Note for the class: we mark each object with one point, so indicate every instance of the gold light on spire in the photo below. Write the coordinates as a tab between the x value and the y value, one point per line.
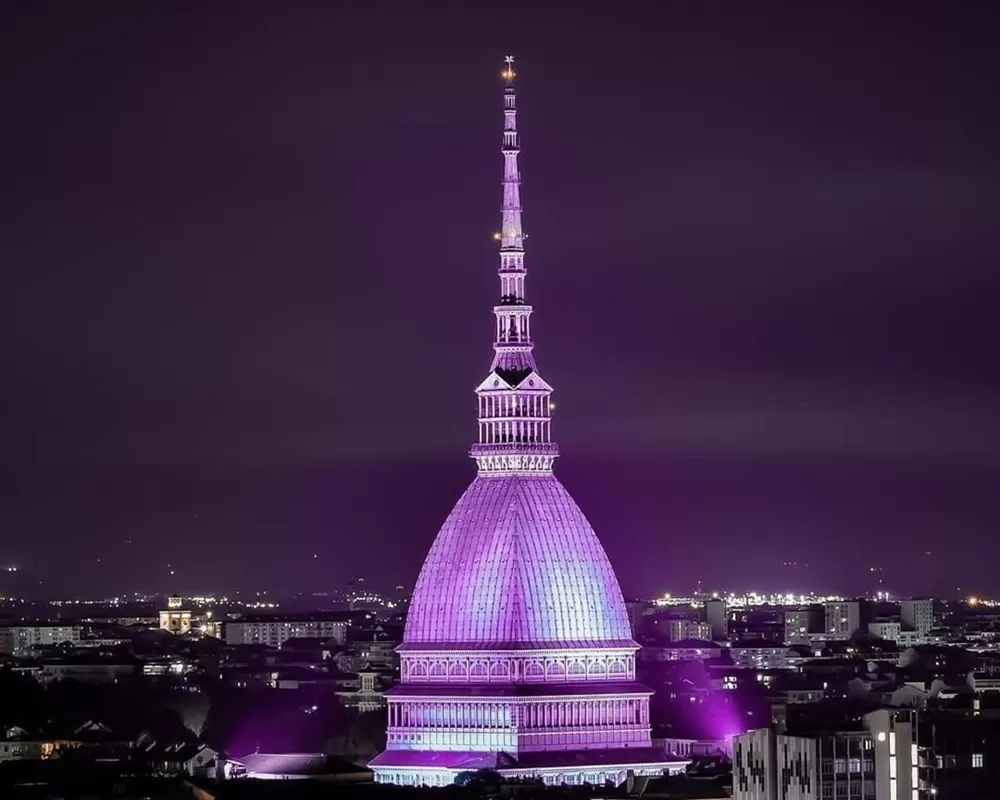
508	71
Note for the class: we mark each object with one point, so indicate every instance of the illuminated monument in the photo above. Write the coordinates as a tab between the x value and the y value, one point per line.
517	655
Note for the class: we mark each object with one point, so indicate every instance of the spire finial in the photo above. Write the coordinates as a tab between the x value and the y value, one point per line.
508	70
515	412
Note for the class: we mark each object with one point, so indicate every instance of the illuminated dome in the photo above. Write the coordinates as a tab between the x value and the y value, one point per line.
515	563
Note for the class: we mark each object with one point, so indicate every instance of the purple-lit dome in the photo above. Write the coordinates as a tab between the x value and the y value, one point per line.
516	562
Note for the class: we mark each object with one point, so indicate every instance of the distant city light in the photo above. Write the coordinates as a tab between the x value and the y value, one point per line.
751	599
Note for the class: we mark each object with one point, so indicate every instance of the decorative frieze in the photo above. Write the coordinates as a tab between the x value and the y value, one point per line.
519	667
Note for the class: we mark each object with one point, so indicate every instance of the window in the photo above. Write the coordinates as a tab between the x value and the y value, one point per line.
854	765
977	760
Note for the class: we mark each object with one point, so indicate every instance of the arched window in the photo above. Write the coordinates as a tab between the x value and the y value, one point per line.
555	672
478	670
499	670
616	668
596	669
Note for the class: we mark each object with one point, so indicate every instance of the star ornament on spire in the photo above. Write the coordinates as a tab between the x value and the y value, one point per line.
508	71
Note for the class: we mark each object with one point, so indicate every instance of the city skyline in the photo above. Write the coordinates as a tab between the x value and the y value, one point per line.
767	293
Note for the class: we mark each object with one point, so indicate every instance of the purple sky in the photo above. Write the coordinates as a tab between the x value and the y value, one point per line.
249	272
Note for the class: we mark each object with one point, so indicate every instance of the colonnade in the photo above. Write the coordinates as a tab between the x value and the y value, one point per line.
506	417
574	713
503	671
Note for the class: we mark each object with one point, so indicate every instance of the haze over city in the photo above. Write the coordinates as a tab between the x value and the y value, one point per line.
249	283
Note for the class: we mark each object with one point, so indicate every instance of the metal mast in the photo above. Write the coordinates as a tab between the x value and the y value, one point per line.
514	402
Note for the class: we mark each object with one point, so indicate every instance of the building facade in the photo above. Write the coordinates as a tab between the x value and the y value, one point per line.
517	654
880	760
917	615
768	765
887	629
797	622
275	630
762	655
843	618
175	618
716	617
22	640
679	630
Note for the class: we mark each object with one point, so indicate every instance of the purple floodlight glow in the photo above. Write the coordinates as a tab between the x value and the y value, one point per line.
718	717
518	653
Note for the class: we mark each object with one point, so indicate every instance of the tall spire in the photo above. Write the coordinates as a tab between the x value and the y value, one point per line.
514	405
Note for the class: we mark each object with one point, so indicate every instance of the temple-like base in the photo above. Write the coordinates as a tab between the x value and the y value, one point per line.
596	767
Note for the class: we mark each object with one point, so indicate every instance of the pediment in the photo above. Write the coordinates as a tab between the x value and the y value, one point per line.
494	382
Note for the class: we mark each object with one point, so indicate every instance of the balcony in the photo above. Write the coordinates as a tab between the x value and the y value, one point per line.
526	448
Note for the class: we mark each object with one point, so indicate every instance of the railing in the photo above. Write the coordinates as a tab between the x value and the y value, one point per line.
515	447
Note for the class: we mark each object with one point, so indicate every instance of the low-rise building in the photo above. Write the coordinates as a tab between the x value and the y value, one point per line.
19	743
87	671
688	650
277	629
22	639
192	759
888	629
763	655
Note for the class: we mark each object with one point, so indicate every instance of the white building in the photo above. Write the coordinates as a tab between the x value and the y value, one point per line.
879	762
885	629
918	615
275	630
896	756
843	618
21	640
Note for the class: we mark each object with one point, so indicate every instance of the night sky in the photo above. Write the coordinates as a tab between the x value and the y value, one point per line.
248	273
